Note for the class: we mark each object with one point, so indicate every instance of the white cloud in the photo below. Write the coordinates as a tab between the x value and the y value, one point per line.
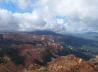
60	21
20	21
75	11
7	21
56	15
29	21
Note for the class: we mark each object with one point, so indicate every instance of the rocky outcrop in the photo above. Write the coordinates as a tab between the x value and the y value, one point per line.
70	63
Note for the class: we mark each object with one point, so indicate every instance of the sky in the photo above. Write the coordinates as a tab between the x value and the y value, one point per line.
56	15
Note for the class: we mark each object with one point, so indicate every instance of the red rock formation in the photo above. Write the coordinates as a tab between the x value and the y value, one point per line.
18	51
70	63
9	66
26	50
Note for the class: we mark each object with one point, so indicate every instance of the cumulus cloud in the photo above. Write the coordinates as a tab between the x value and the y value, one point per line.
7	21
20	21
80	15
57	15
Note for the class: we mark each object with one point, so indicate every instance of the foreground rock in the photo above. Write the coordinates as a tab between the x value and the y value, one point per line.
71	63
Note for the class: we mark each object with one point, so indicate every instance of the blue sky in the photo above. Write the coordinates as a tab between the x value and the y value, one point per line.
11	6
56	15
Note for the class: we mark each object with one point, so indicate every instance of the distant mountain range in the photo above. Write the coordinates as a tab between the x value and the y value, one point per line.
88	35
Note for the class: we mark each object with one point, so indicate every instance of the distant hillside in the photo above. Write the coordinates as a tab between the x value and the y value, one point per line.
88	35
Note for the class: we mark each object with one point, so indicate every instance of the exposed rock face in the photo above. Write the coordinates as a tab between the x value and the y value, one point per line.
9	66
24	51
19	51
70	63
